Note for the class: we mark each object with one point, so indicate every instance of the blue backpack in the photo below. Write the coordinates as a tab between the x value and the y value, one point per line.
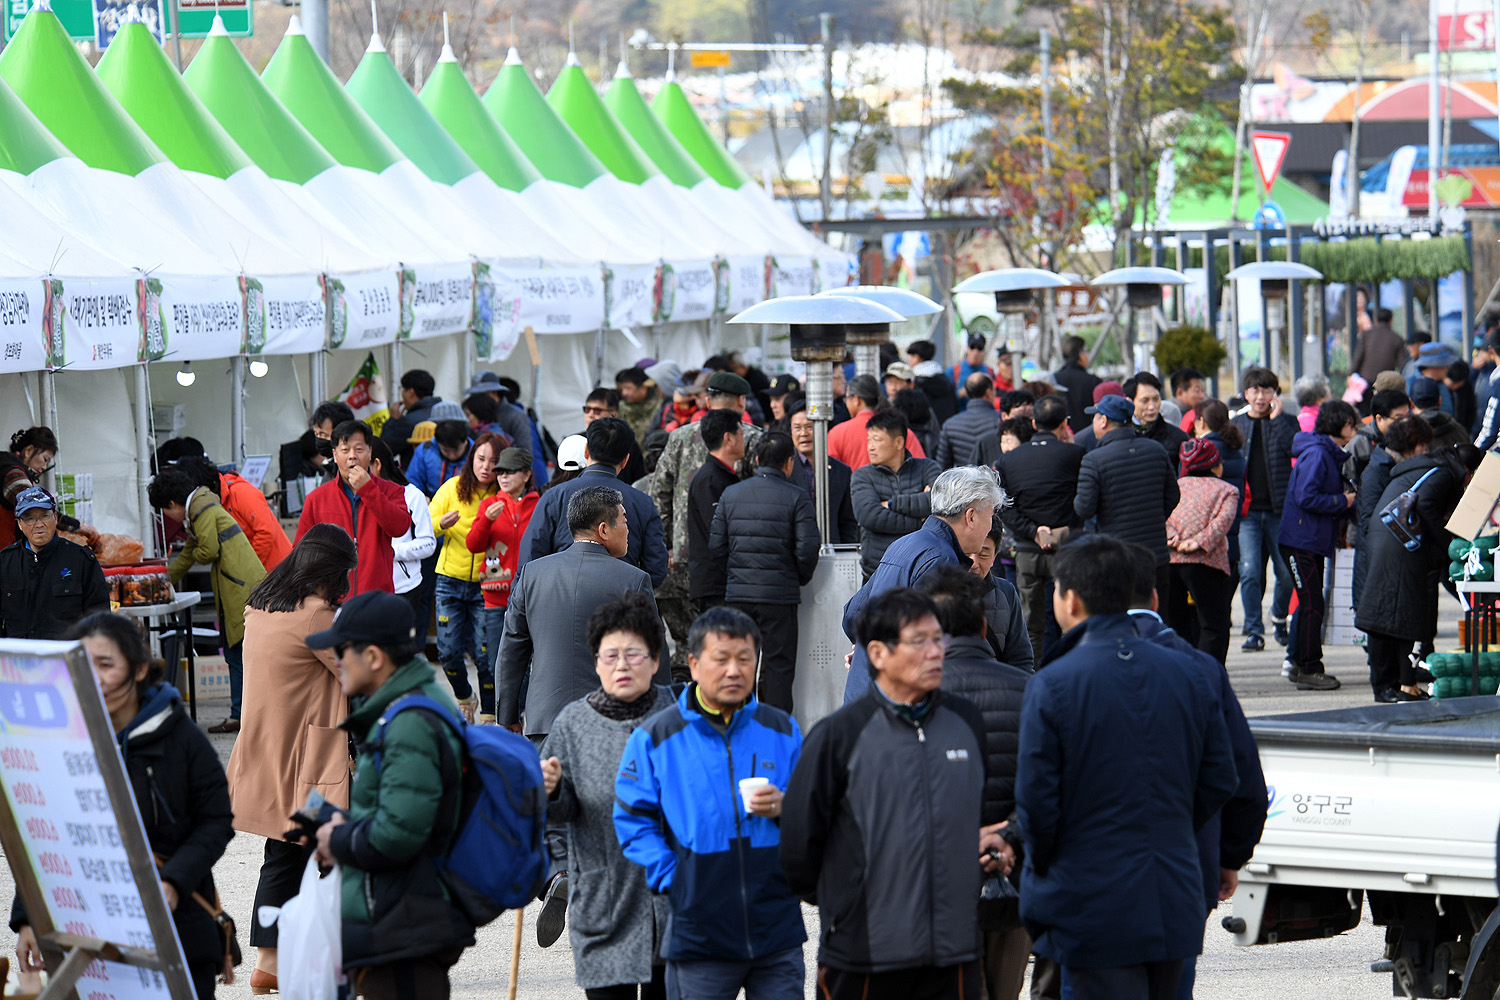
499	856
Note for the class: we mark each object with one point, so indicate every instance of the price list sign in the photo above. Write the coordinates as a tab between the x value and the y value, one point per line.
70	827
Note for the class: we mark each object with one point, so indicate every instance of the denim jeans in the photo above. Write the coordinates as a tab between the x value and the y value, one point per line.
492	627
781	976
1258	533
460	621
234	656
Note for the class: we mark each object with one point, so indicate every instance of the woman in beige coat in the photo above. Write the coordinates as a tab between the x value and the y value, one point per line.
289	743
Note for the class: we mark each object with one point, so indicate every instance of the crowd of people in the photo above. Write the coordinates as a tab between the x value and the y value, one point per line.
628	597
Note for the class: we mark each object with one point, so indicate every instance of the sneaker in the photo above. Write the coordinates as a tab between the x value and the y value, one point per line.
1282	631
1287	669
1314	682
1253	644
550	922
1408	696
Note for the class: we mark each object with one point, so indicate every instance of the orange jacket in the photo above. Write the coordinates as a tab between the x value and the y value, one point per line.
248	506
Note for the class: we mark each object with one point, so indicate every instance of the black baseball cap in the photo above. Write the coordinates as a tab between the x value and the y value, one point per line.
373	618
783	384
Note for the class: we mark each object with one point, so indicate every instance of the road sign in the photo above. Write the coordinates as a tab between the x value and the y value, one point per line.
1269	149
718	59
77	17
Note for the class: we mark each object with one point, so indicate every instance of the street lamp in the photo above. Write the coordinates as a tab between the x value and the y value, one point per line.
818	326
1143	287
1275	277
1013	288
866	338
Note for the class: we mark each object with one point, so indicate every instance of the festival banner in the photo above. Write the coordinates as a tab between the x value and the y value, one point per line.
94	324
549	300
283	315
441	301
793	276
365	393
364	308
685	290
202	318
23	344
742	283
628	292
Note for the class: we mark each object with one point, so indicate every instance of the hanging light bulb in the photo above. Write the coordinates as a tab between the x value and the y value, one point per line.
185	376
258	368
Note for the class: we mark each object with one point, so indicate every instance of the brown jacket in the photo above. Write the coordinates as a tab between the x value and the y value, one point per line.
289	740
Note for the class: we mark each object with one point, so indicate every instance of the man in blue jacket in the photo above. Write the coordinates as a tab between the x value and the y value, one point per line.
1124	756
712	846
963	509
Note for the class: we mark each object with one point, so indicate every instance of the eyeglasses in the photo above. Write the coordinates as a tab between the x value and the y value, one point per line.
41	518
634	656
595	411
921	642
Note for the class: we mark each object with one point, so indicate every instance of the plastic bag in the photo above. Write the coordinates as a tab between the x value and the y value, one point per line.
310	959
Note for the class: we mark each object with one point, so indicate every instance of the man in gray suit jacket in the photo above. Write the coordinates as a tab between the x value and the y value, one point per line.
550	602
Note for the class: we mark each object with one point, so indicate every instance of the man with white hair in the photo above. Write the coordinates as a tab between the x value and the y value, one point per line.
963	506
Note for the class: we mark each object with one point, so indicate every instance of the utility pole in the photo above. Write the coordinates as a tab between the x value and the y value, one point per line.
315	25
1049	297
825	184
1434	115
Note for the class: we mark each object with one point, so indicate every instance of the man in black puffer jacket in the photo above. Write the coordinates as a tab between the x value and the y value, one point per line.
997	689
767	532
1127	483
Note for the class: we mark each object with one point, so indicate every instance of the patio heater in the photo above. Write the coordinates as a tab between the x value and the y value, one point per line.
866	338
1143	287
1013	288
1275	277
818	325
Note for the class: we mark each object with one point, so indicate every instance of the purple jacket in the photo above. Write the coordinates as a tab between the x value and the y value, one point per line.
1315	495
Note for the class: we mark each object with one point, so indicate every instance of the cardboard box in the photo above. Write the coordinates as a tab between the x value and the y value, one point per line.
1339	635
1475	514
211	677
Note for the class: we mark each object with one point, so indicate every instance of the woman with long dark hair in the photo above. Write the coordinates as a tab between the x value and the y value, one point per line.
496	534
289	743
460	601
179	791
1211	421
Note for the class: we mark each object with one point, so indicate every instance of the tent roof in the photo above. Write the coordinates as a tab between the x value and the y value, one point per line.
259	123
311	92
136	71
632	111
451	99
25	143
677	114
543	136
385	96
46	71
579	105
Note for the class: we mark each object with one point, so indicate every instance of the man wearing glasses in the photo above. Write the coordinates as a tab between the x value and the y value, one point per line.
606	403
47	583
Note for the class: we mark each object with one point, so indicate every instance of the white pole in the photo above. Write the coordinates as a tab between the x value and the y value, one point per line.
47	399
1434	115
237	410
144	446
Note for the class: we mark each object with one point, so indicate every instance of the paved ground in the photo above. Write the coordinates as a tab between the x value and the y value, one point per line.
1332	969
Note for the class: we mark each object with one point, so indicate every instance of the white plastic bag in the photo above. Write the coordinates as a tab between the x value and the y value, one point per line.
310	955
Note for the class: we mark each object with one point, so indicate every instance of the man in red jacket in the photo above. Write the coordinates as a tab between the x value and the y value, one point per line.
373	511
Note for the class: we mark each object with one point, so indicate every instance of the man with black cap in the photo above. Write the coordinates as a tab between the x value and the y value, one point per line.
683	456
1426	399
401	933
776	395
971	363
1127	484
47	583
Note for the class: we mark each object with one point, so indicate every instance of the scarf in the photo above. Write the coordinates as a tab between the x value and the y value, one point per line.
613	708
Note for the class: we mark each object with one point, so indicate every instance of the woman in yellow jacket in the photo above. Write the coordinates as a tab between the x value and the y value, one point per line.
460	601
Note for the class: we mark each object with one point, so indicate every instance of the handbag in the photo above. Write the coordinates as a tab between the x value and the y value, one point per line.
999	903
232	954
1400	515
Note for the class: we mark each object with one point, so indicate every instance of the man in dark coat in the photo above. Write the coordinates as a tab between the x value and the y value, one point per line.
708	574
1112	887
1075	377
47	583
1144	391
415	406
843	526
1225	842
934	382
1268	437
1376	472
889	495
767	533
996	689
1378	349
1426	400
962	431
1127	485
608	449
1041	479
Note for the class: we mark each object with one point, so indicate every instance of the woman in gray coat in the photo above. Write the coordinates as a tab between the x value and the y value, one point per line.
614	922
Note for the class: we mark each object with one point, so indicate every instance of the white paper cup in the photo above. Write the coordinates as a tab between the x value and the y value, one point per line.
748	788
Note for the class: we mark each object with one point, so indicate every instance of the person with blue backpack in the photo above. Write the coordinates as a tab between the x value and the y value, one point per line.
423	847
698	806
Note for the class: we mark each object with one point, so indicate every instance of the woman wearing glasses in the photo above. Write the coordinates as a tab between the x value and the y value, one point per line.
615	922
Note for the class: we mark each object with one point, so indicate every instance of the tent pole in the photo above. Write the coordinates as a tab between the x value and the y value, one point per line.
47	398
393	381
237	410
317	380
143	450
598	355
465	361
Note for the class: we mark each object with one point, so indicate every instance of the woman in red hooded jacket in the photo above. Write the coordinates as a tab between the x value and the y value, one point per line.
498	526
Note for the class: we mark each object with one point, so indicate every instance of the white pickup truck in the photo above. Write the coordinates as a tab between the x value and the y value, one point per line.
1397	804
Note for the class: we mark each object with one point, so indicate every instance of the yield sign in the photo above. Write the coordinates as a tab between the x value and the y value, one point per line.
1270	150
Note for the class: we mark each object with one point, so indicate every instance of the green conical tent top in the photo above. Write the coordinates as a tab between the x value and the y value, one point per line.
311	92
136	71
380	90
44	68
543	136
261	126
677	114
632	111
579	105
451	99
25	143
